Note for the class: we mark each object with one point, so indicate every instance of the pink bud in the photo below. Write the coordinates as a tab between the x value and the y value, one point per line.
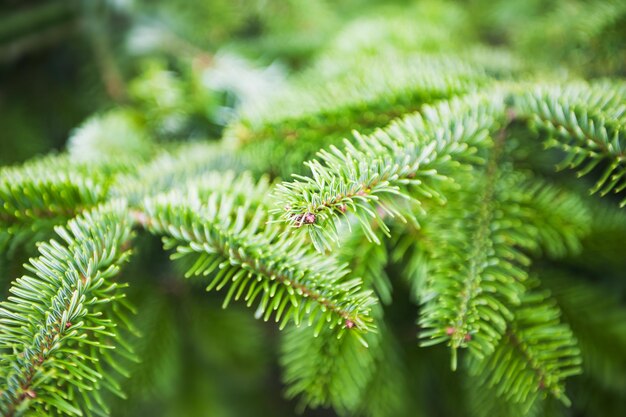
309	218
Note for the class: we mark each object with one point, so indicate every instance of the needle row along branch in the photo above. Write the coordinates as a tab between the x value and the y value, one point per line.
475	269
43	193
535	356
61	324
475	273
258	263
585	121
412	158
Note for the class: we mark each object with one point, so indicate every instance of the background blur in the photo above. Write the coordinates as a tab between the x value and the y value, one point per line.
177	70
61	61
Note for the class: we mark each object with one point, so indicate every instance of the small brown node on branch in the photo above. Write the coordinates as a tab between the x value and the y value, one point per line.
309	218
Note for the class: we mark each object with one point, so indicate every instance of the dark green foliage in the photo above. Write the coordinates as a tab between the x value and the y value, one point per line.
597	318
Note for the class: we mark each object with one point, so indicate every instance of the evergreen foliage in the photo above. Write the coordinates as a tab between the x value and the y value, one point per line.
383	199
61	325
520	369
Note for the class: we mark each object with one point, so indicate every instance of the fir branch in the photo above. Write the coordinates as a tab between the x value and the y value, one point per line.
365	85
60	324
40	194
46	189
26	199
535	356
257	261
558	219
474	273
49	191
387	393
341	373
554	221
483	401
478	257
586	122
411	158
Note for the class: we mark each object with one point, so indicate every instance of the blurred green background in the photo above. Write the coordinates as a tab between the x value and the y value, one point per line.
176	70
61	61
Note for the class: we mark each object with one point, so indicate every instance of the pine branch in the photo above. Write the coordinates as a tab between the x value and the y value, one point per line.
411	158
234	244
535	356
60	324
